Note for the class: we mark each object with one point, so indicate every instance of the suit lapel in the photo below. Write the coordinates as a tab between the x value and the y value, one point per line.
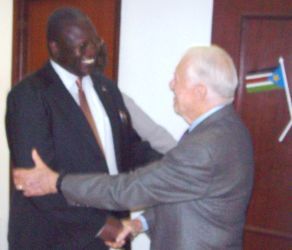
69	109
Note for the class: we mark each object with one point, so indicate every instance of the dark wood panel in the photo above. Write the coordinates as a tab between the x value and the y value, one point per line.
19	40
227	16
256	33
30	48
263	40
257	239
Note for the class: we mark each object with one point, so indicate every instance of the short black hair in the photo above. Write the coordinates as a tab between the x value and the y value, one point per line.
60	17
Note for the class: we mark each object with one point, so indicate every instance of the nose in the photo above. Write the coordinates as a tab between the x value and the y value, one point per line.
90	49
171	84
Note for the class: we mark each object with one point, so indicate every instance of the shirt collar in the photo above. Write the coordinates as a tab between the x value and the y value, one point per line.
204	116
67	77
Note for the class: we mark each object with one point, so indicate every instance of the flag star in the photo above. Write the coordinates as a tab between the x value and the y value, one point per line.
276	77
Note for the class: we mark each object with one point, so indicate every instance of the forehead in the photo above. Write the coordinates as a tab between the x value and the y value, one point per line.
77	28
181	68
186	73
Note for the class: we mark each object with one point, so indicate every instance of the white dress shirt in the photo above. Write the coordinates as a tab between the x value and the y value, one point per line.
98	112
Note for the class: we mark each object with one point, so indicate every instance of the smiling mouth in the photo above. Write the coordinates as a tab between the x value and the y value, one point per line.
88	61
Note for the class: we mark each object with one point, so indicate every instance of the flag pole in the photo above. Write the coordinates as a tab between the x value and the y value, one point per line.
285	131
288	97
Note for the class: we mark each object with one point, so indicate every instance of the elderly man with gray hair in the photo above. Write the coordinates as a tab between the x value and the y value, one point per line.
196	196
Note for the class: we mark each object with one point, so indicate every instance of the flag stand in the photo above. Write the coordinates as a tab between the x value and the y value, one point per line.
288	97
285	131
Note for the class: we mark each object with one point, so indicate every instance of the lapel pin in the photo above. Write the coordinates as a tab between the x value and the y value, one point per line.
123	116
103	88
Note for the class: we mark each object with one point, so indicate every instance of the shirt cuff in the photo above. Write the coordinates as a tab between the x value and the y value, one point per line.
144	223
59	182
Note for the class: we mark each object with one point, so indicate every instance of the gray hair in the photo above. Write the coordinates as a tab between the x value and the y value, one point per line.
215	67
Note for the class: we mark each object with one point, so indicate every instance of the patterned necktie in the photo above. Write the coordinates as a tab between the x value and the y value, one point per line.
86	111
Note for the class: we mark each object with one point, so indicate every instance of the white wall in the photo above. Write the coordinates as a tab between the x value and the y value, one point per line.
5	83
154	36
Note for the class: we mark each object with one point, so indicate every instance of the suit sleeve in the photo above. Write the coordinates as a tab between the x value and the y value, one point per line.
178	177
28	126
158	137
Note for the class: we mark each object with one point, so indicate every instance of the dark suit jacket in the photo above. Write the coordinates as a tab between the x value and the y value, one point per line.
196	195
41	113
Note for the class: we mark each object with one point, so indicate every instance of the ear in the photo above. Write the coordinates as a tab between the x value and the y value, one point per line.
201	90
54	49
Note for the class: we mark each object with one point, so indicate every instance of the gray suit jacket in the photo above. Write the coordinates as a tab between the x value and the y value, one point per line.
195	197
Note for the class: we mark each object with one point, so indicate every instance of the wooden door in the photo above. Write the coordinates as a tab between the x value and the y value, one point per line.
256	33
30	18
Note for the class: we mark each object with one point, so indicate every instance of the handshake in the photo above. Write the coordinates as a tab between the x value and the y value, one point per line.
115	233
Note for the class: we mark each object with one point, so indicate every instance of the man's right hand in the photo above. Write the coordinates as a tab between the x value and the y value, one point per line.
36	181
131	228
